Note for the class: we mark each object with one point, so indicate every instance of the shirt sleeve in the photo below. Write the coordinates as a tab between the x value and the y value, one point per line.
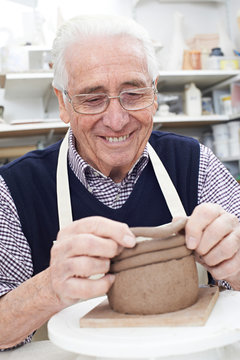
15	253
216	184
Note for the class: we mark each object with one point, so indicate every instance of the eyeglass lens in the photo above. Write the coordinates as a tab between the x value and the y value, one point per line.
130	100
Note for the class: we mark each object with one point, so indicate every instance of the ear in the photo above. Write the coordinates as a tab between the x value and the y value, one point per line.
155	104
156	81
63	112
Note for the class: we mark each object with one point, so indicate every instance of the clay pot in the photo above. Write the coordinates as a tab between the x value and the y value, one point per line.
156	276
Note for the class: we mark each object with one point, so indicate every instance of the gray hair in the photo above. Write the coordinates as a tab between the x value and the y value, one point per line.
82	27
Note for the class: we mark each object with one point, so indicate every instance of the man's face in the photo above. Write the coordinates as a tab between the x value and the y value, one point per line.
108	65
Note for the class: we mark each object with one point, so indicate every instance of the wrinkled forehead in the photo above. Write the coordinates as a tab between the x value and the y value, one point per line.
105	55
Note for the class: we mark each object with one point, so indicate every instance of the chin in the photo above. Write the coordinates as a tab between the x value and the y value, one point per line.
124	160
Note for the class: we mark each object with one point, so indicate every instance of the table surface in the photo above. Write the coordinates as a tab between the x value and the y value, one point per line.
42	350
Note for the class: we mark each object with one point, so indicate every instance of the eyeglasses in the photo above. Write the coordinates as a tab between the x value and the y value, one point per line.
131	100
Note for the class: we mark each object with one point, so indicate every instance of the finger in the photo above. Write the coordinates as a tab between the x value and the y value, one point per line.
223	251
102	227
86	244
213	234
83	266
202	216
226	269
78	288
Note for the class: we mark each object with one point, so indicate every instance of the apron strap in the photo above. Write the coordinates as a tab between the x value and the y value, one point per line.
170	193
63	190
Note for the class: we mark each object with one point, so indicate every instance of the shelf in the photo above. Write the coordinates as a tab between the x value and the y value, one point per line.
222	84
174	81
32	84
35	128
234	117
230	158
183	120
35	84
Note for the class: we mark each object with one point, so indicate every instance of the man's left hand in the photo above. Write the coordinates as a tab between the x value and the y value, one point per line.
214	234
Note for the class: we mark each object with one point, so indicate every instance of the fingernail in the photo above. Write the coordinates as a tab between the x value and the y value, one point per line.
129	240
191	242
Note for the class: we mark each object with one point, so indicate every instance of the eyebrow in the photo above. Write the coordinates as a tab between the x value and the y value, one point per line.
135	83
100	88
91	89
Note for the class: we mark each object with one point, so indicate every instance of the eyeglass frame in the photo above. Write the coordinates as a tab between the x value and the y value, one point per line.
70	99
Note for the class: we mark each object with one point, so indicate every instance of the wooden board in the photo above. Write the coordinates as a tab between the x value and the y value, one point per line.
196	315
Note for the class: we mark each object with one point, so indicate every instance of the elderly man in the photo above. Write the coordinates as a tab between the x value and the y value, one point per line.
105	78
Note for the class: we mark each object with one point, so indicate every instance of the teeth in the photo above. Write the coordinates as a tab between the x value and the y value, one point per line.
117	139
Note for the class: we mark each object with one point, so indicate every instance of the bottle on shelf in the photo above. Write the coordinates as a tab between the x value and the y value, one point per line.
227	105
207	106
215	56
192	60
192	100
204	58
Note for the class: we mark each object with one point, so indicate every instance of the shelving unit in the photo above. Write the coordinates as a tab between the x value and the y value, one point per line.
17	139
183	120
28	94
36	88
35	128
37	84
205	80
29	84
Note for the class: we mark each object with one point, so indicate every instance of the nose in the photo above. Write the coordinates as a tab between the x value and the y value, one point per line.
115	117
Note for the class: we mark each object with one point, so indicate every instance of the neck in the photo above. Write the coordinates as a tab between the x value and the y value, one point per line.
117	175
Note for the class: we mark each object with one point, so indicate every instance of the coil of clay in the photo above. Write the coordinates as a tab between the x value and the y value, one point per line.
156	276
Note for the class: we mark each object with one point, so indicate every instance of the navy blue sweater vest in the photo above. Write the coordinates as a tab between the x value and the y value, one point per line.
32	182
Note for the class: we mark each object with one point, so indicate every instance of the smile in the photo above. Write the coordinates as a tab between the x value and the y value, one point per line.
117	139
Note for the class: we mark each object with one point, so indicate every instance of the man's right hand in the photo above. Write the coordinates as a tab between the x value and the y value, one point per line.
85	248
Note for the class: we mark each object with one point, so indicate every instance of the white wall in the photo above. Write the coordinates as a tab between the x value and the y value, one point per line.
234	9
201	17
23	23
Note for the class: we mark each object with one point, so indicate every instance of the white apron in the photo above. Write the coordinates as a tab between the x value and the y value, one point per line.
170	194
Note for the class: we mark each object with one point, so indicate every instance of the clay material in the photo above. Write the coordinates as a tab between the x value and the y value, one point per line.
156	276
